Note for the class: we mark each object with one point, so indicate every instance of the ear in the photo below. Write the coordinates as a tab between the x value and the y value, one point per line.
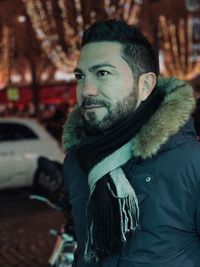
146	83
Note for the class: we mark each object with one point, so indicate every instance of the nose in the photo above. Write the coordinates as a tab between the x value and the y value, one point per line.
89	89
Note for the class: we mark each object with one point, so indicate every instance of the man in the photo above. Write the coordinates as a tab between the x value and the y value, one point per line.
132	163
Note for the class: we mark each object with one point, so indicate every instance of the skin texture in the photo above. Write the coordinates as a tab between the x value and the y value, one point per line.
106	89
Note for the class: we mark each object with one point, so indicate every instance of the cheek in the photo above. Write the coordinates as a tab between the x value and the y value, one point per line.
124	84
123	89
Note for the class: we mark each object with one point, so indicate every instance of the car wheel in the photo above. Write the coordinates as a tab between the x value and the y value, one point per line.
48	182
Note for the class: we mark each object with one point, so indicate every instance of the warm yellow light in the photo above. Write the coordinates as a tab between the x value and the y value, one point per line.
21	18
44	24
4	55
177	47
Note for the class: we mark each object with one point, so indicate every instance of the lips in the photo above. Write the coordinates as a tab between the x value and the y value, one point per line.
92	106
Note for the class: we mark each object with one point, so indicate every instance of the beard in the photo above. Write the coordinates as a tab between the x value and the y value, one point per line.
114	114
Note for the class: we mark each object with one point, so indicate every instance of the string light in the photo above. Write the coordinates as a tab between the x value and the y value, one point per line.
5	56
110	9
190	42
177	45
69	32
44	25
127	10
92	16
50	14
174	47
44	32
79	18
134	14
182	34
166	44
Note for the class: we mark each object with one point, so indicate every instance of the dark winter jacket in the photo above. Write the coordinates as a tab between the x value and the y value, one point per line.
166	181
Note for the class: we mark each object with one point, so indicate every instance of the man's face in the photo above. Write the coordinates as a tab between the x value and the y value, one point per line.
106	90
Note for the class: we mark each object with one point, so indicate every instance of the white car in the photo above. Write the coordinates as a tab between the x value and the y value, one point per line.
28	155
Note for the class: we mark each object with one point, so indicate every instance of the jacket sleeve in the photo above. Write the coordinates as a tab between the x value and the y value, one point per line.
66	168
65	171
67	164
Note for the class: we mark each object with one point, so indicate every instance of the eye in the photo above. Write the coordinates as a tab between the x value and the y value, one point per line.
79	76
102	73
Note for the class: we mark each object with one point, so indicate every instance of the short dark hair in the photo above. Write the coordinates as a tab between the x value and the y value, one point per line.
136	49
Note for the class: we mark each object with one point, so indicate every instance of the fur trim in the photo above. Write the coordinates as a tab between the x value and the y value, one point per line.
173	114
73	131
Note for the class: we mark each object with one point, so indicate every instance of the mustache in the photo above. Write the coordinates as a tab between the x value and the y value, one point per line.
94	101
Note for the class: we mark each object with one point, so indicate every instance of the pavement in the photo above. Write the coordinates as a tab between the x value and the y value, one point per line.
25	240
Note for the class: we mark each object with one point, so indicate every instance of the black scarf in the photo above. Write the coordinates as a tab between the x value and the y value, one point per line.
104	208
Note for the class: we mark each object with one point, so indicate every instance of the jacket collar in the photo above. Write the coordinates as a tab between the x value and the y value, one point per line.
173	113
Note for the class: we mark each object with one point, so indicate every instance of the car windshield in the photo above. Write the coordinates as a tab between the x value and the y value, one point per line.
14	131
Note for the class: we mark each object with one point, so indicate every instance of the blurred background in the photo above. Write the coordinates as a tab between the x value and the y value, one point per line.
39	46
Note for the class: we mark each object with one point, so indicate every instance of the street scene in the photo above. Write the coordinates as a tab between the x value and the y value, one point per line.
99	133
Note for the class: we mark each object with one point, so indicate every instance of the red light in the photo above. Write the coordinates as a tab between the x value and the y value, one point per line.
21	107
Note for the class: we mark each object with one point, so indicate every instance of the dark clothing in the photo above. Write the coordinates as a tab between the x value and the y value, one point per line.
167	186
196	117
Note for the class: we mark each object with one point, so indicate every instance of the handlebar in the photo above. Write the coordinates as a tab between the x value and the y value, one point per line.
47	201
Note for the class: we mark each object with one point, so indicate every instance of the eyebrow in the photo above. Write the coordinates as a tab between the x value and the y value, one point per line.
95	67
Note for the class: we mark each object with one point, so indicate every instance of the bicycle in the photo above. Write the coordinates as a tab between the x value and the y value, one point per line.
66	244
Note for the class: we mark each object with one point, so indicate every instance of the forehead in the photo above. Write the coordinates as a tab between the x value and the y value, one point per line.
95	53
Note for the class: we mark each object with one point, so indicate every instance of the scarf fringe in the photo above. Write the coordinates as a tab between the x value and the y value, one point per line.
129	211
113	222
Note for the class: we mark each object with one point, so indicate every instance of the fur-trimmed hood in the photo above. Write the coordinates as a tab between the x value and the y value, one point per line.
173	113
